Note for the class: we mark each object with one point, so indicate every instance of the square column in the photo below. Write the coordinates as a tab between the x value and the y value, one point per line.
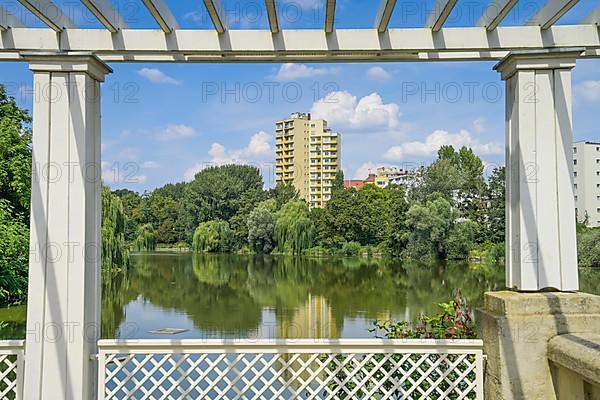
540	207
63	305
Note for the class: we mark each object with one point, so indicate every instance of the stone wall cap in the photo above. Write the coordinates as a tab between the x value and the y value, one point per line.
578	352
520	303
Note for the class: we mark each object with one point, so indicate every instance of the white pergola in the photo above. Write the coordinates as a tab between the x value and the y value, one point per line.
69	64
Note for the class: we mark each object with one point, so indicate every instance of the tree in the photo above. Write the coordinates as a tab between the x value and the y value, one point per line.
216	192
132	207
283	193
293	228
261	227
462	239
114	251
495	196
397	207
338	181
15	190
213	237
145	240
15	156
341	219
14	252
429	226
239	222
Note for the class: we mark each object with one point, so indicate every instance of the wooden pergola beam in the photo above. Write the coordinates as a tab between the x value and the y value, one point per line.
592	18
161	13
384	14
49	13
495	13
272	14
440	14
329	16
302	45
106	14
215	11
551	12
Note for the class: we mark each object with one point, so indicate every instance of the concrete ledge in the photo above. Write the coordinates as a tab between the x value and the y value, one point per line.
579	353
516	328
517	303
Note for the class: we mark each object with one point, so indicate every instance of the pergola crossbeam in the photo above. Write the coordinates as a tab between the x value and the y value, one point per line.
551	12
215	11
161	13
272	14
49	13
106	14
329	16
592	18
384	14
440	14
7	20
495	13
203	45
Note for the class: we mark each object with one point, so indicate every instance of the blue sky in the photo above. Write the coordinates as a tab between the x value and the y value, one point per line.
163	122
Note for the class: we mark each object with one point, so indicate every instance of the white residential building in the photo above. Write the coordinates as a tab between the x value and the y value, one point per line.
586	182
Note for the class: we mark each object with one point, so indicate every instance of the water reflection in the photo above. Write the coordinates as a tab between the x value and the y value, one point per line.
266	296
216	296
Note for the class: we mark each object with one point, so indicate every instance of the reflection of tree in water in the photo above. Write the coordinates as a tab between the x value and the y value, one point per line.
225	293
115	296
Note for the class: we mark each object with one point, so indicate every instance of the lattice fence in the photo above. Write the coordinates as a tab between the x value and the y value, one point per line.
334	369
11	369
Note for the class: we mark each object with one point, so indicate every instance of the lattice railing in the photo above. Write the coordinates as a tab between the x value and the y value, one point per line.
11	369
291	369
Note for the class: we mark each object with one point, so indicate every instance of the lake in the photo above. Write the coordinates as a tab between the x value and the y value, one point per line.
238	296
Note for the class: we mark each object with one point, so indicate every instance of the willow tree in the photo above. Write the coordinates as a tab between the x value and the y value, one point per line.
294	229
213	237
114	251
145	239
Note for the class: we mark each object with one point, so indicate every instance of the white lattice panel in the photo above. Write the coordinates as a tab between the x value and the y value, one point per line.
344	369
11	369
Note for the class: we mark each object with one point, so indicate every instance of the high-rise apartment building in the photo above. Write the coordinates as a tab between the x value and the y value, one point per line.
586	182
307	155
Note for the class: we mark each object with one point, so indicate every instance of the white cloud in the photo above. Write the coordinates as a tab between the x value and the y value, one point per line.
150	164
259	148
176	131
439	138
365	169
344	109
194	15
479	125
129	153
157	76
378	73
292	71
589	90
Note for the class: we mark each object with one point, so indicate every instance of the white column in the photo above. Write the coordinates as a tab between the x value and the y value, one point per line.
540	208
63	306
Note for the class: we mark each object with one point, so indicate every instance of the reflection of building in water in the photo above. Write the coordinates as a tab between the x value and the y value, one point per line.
313	320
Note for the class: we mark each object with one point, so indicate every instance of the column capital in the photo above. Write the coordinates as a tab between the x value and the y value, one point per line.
564	58
68	62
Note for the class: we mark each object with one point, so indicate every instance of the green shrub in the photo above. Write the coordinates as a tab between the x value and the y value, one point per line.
588	247
350	249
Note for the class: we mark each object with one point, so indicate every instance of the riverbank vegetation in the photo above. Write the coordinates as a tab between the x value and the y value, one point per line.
448	211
